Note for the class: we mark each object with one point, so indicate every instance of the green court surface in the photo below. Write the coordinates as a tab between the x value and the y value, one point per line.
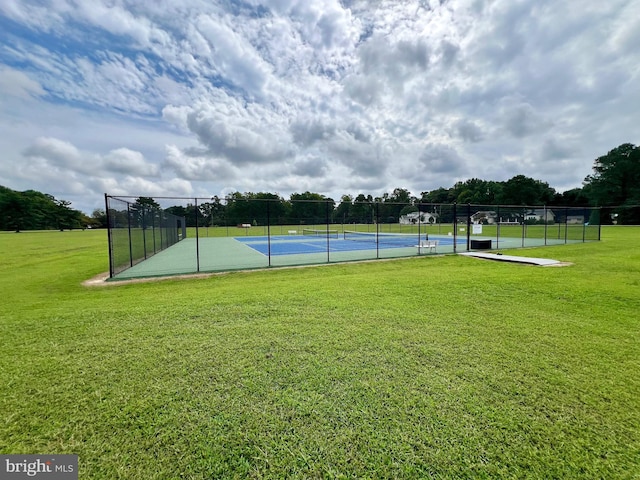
219	254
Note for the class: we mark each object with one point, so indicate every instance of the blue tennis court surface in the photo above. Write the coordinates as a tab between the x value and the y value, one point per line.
299	244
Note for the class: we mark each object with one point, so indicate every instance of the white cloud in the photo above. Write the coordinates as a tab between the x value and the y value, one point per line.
199	167
58	153
18	84
123	160
232	56
243	133
328	96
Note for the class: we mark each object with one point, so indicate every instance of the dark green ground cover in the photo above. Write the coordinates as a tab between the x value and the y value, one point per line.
433	367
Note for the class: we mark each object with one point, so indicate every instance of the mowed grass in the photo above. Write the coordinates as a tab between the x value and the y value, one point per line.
432	367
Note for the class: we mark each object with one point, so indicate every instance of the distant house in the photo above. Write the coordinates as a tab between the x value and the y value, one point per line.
575	219
484	216
414	218
540	215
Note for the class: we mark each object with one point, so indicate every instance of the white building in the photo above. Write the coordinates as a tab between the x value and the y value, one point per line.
541	214
415	218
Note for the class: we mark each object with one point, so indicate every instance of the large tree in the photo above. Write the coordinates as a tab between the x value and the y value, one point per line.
32	210
521	190
616	182
477	192
310	208
439	195
342	213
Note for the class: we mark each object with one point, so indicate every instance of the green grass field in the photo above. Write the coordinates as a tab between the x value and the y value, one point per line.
431	367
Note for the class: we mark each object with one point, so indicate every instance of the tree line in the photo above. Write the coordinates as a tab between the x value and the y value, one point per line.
32	210
310	208
614	185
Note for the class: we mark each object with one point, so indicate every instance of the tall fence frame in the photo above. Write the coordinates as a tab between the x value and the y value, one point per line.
138	231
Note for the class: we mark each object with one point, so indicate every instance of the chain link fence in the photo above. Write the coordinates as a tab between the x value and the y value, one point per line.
208	235
138	231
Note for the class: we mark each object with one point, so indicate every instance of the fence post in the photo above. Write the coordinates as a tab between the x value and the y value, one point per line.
109	239
153	230
524	224
377	210
498	228
327	227
545	225
419	222
269	230
129	230
455	227
144	232
197	236
468	226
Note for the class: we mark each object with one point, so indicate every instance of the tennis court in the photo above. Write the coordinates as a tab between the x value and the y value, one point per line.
193	255
346	242
148	241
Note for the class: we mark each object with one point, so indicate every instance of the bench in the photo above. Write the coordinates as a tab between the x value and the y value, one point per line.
430	244
293	232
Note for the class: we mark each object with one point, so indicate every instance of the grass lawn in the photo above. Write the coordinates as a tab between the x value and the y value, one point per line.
431	367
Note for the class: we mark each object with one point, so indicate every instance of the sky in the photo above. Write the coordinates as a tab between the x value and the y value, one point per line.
196	98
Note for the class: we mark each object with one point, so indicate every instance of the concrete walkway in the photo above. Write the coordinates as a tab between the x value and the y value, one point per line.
512	258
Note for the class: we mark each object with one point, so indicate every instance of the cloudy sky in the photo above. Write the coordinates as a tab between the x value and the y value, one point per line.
206	97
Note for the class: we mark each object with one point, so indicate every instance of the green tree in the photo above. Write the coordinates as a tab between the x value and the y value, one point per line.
30	210
439	195
342	214
576	197
65	216
254	208
478	192
98	218
310	208
616	182
392	204
363	210
13	209
143	212
521	190
147	202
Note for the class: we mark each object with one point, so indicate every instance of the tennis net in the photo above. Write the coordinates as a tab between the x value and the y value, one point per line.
403	239
321	232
